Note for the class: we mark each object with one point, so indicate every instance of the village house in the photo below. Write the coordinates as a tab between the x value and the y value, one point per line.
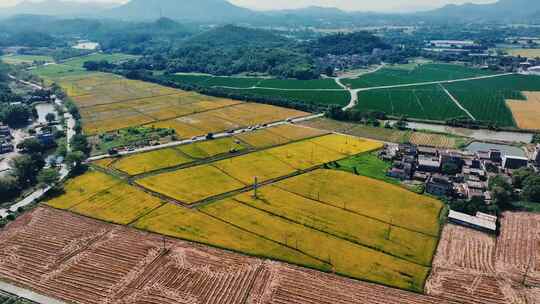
439	185
514	162
428	164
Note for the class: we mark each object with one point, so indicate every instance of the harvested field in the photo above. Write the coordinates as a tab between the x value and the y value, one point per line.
465	249
526	112
471	267
84	261
518	247
436	140
79	260
279	284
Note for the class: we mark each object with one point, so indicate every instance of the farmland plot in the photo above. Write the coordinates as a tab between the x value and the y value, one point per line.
422	102
486	98
286	284
82	188
321	98
526	113
423	73
473	267
329	186
278	135
85	261
347	258
151	161
79	260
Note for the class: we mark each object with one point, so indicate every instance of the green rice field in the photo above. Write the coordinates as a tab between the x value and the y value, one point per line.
428	102
323	98
485	98
423	73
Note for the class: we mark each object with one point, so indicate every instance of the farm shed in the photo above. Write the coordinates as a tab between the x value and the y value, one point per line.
482	222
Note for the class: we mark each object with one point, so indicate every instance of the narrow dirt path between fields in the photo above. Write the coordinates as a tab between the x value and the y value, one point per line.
456	101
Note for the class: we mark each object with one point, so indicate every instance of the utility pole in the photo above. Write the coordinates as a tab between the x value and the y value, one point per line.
255	188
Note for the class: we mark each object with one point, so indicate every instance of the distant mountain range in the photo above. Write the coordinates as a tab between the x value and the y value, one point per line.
56	8
217	11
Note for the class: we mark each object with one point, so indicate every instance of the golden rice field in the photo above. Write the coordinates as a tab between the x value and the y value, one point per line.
192	184
368	197
264	165
345	257
146	162
211	148
82	188
109	102
528	53
151	161
278	135
192	225
526	112
121	204
227	118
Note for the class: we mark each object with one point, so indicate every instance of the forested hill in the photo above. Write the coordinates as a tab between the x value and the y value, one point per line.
231	35
346	44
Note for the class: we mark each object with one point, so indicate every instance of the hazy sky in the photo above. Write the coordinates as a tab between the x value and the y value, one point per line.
359	5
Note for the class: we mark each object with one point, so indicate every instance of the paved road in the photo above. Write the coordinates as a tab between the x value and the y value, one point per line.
354	96
203	138
430	82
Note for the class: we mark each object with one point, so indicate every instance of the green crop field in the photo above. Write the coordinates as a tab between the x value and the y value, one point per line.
79	61
315	84
421	102
20	59
423	73
251	82
310	97
486	98
55	71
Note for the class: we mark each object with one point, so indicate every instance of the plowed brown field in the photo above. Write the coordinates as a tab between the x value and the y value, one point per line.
473	267
79	260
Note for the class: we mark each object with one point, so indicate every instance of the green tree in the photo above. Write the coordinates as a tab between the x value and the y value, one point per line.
520	176
9	188
26	168
48	178
75	159
16	115
31	146
50	117
80	143
531	189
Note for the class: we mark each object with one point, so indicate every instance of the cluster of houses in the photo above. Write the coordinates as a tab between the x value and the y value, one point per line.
6	145
452	173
